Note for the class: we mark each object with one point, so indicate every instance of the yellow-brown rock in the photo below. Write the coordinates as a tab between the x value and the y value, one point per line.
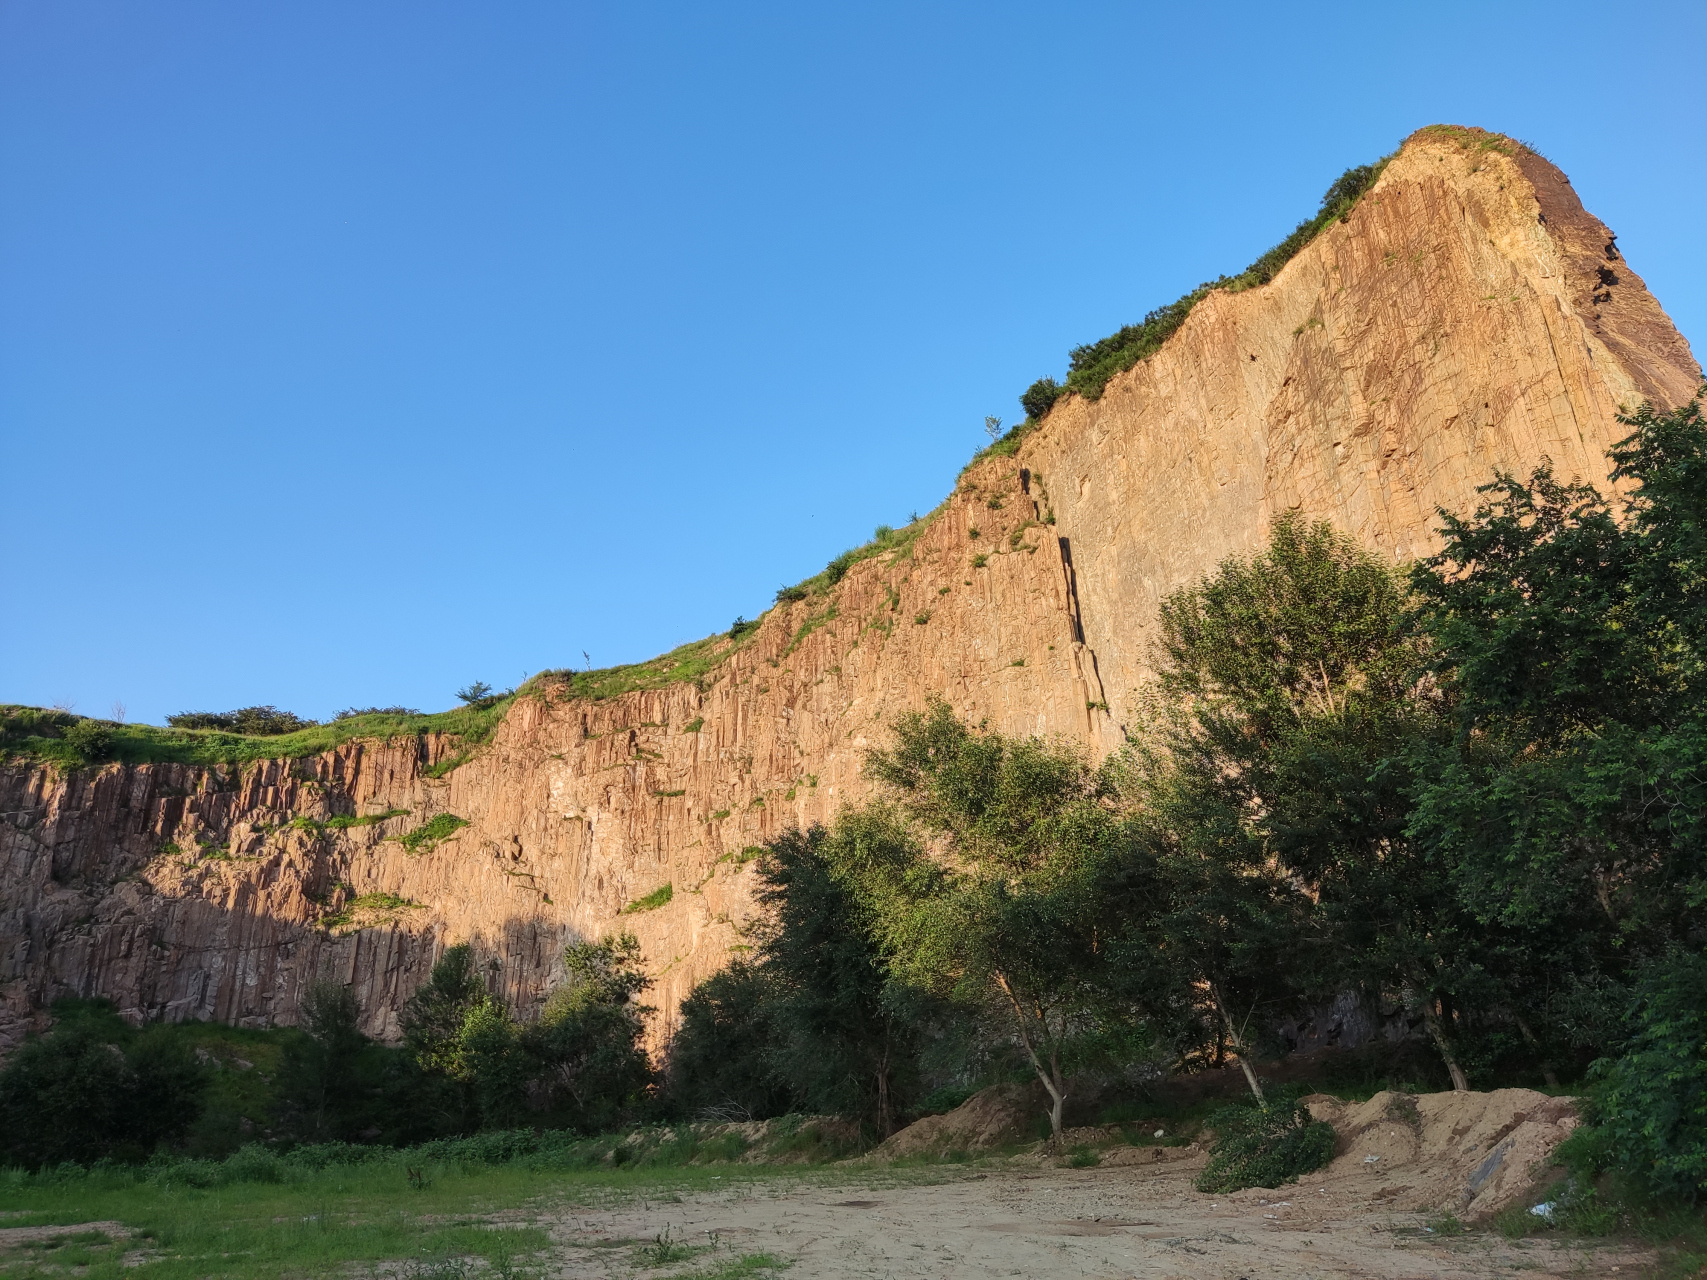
1468	316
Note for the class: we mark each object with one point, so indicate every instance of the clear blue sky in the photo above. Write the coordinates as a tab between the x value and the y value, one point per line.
353	351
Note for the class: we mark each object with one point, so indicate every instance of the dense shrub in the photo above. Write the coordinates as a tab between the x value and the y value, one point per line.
90	739
349	713
1264	1145
93	1088
262	722
1647	1109
720	1062
1038	398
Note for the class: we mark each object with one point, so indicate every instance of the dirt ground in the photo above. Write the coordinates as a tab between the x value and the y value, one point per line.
1124	1221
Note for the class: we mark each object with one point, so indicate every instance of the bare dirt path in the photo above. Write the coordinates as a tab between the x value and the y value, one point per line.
1104	1222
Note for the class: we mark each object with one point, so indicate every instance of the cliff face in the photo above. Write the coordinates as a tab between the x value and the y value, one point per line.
1469	315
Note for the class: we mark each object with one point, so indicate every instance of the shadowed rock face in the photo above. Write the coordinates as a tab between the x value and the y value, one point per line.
1468	316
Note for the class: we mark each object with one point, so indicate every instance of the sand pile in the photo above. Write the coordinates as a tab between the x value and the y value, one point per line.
1471	1153
998	1116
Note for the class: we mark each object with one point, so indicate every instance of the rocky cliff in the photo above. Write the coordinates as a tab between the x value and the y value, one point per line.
1468	315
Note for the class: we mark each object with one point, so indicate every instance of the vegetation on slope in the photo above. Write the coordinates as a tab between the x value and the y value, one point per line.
1091	365
35	735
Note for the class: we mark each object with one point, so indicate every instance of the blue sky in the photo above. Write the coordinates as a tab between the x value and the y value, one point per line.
350	352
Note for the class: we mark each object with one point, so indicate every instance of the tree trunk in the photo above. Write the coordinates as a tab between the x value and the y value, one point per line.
1437	1032
885	1122
1238	1042
1051	1077
1547	1072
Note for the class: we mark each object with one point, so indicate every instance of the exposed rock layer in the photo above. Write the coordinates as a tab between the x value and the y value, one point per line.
1468	316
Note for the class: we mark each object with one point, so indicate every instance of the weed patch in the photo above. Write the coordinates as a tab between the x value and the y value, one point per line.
368	906
425	838
659	897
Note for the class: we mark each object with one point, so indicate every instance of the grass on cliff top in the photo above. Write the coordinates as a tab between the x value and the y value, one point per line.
1091	366
687	663
34	735
897	544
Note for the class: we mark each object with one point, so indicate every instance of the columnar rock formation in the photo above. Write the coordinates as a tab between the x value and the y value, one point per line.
1468	315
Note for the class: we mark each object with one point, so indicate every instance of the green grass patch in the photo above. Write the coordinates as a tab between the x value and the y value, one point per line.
344	821
444	766
690	662
897	544
387	904
694	725
424	838
806	628
659	897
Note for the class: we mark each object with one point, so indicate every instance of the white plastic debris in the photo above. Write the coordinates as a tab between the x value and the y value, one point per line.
1161	1133
1544	1210
1370	1159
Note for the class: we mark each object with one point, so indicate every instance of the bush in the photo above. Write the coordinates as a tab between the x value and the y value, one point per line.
720	1057
1264	1145
93	1088
90	739
1647	1110
741	627
1040	397
260	722
788	595
349	713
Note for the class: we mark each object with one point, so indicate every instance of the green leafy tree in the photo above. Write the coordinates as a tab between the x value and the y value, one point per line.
1573	797
95	1088
1647	1108
321	1095
579	1065
1223	915
588	1063
434	1015
844	1032
1277	783
337	1085
1013	912
721	1058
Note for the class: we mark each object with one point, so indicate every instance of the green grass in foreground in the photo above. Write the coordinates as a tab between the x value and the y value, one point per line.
328	1222
350	1219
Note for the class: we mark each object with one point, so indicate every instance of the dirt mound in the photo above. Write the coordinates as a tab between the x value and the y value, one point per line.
1471	1153
993	1117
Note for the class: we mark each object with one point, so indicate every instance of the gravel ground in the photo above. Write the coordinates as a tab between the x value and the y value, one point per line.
1102	1222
